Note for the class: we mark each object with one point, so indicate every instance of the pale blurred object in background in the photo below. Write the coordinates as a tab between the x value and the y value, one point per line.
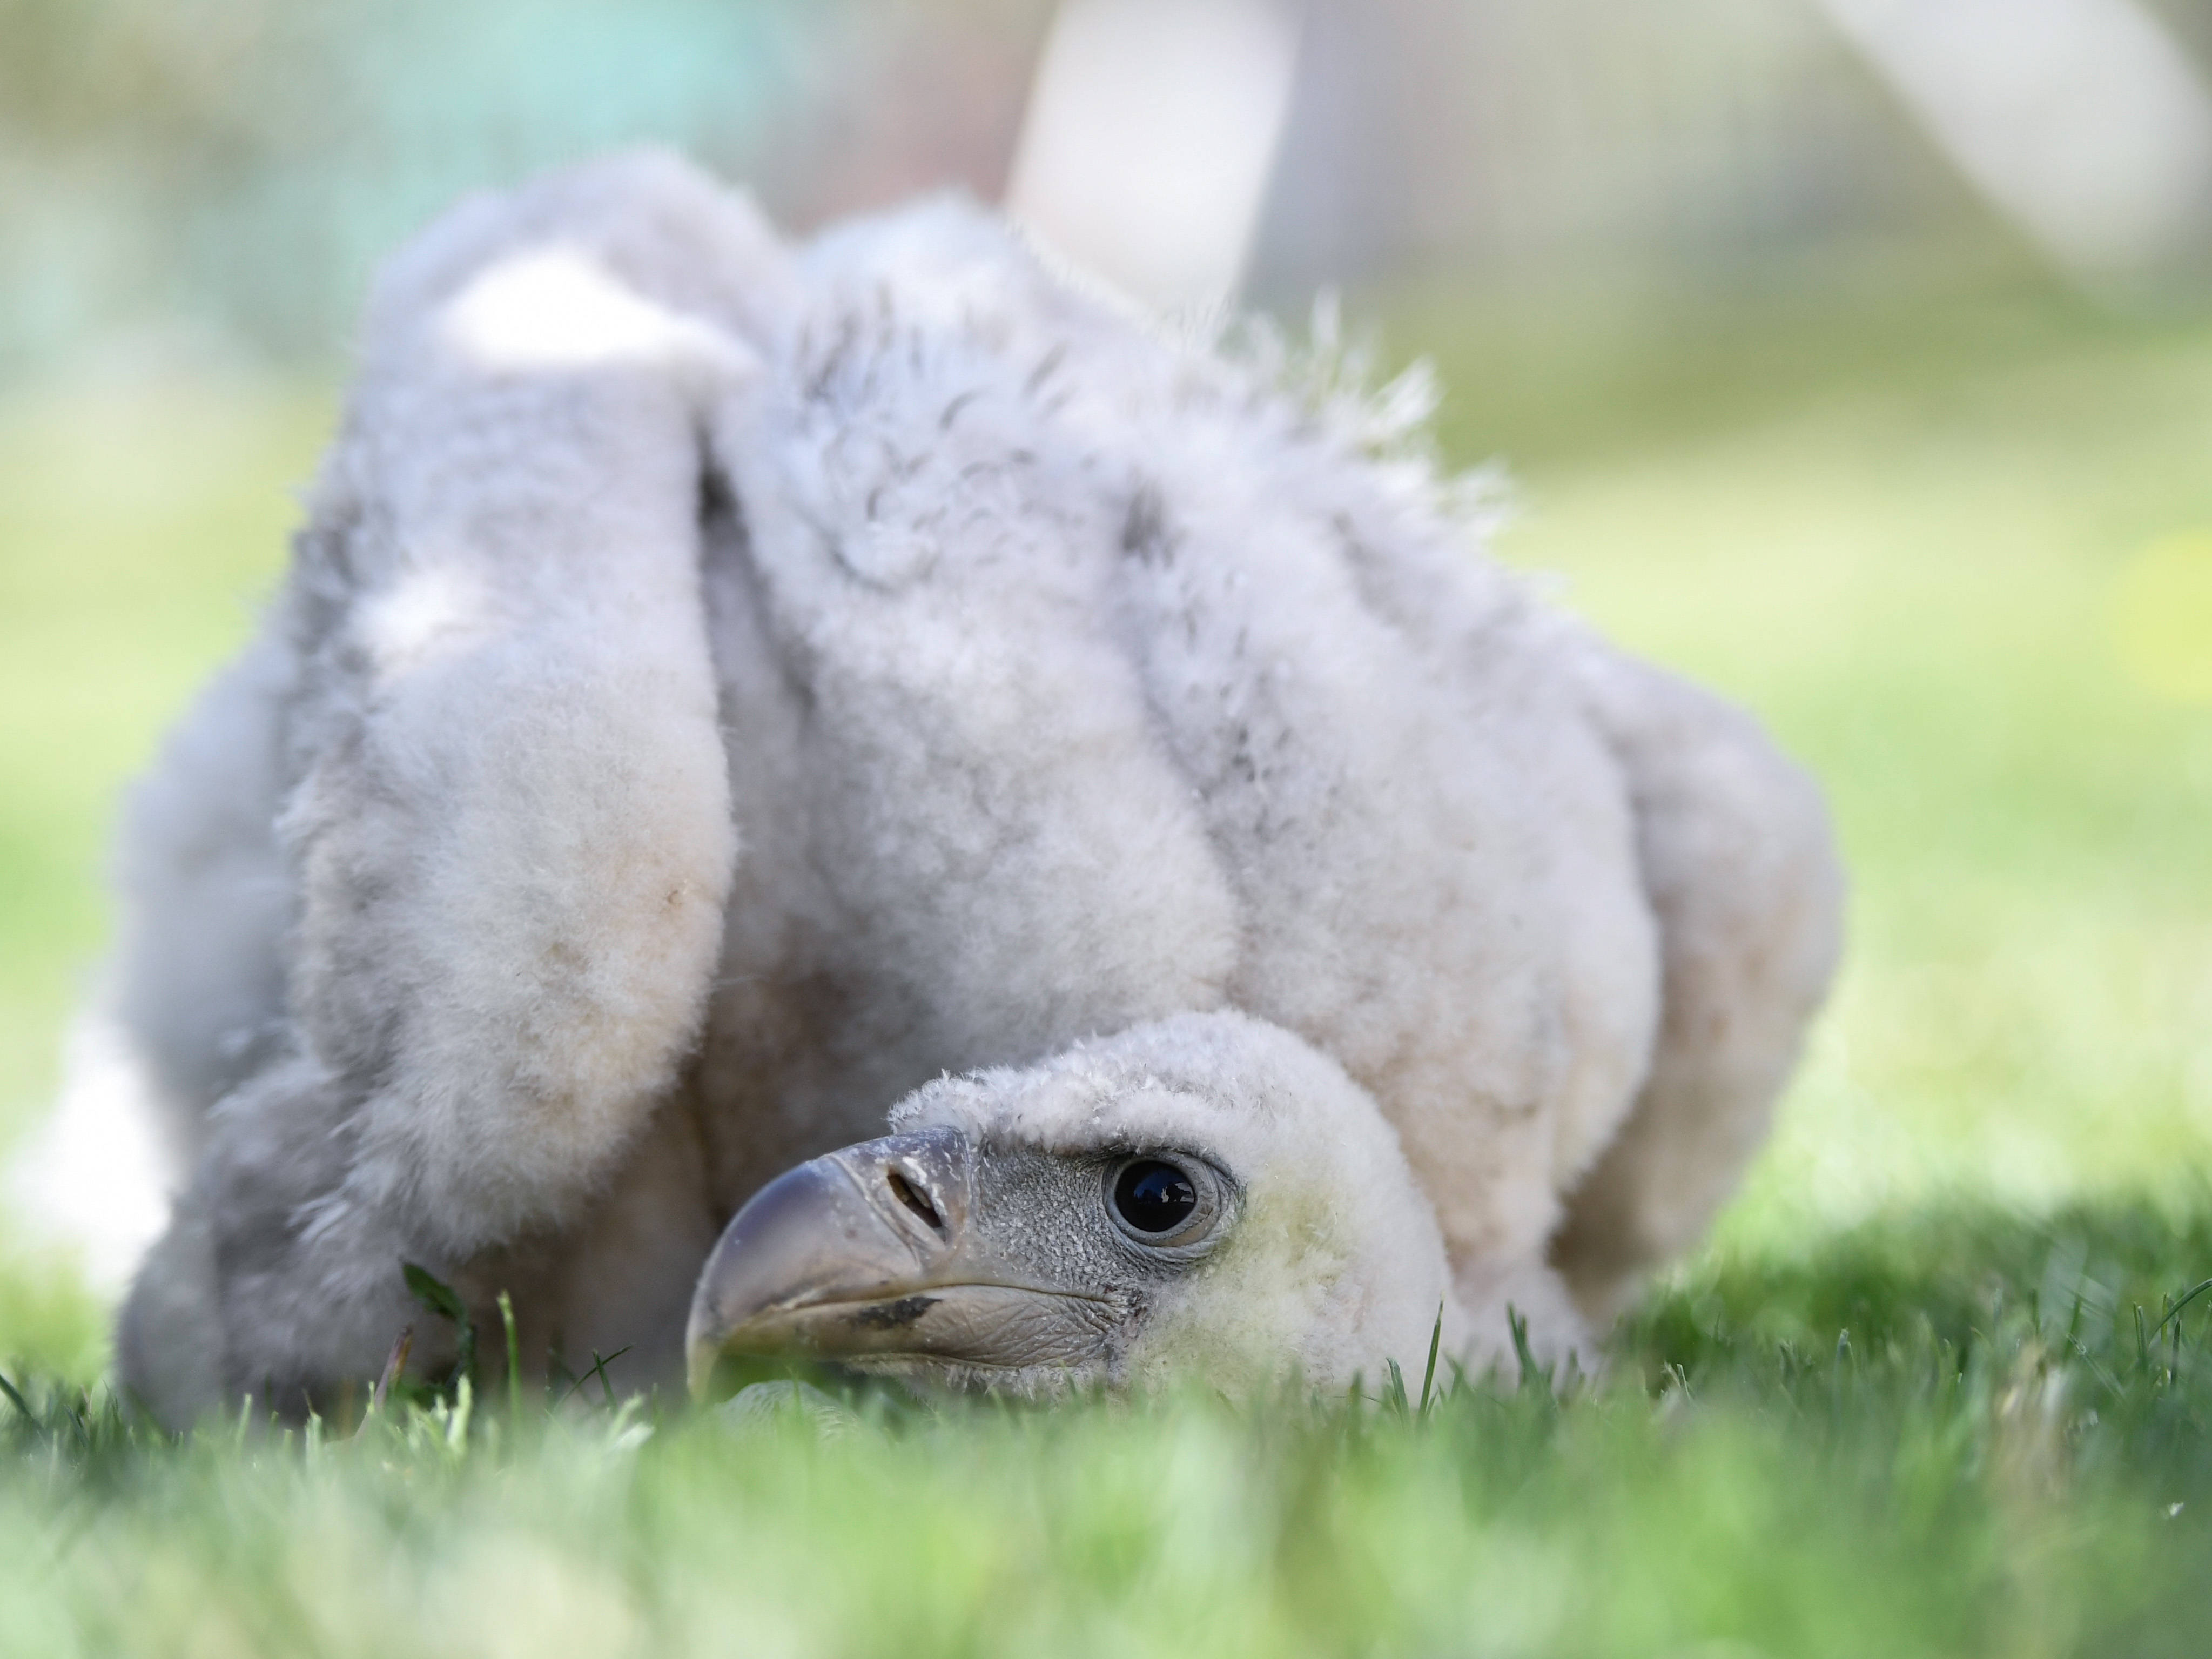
1150	137
2079	119
213	182
94	1181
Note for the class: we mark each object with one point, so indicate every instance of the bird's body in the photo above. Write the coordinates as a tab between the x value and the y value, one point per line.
724	689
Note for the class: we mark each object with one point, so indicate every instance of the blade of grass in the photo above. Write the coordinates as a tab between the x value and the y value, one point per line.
599	1363
2174	1312
21	1404
395	1362
1429	1376
513	1359
440	1299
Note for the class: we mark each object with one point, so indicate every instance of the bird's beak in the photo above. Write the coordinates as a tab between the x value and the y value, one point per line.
869	1257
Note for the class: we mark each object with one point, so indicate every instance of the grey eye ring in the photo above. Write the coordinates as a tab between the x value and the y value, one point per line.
1163	1200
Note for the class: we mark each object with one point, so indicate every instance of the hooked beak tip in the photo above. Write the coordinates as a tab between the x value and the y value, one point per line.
866	1224
867	1257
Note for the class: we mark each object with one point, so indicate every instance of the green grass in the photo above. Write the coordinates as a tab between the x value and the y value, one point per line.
1921	1394
1973	1468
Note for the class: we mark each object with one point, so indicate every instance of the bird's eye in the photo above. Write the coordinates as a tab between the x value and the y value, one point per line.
1154	1197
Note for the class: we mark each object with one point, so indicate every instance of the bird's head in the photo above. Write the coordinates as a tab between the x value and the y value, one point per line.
1204	1197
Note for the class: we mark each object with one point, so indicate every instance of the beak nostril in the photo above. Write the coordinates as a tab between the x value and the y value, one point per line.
911	1195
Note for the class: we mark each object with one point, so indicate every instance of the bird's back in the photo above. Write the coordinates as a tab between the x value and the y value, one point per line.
1074	677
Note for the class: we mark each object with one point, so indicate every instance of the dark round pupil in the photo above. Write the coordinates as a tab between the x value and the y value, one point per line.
1154	1197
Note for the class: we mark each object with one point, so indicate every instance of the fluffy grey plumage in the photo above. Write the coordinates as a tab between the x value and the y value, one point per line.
724	687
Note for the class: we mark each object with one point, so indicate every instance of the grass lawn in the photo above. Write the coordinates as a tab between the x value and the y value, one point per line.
1924	1393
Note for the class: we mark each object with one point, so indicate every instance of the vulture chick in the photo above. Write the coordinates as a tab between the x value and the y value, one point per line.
727	692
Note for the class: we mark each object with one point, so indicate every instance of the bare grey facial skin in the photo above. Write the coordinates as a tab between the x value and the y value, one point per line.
930	1256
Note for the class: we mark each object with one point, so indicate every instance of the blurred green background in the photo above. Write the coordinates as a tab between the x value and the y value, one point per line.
1938	509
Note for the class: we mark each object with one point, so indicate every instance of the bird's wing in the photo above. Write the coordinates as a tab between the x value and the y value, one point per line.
505	835
1739	862
512	830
